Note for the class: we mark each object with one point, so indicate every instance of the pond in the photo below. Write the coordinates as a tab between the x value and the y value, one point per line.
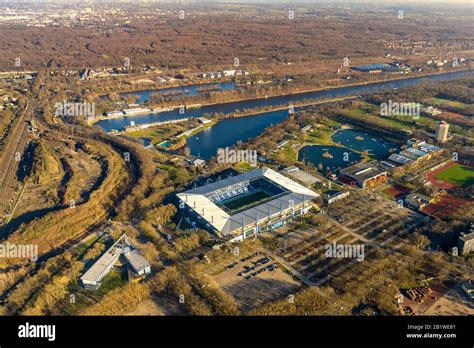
361	141
330	157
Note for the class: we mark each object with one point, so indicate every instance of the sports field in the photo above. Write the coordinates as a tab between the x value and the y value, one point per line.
458	175
453	104
246	201
444	206
396	191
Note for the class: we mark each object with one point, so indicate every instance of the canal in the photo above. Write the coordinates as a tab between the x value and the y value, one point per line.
228	108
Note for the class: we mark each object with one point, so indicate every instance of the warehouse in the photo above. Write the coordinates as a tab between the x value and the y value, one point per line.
363	174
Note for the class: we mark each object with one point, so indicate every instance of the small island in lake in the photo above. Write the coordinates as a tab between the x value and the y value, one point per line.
327	155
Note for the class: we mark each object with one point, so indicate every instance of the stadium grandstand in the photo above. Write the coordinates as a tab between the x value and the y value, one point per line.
243	205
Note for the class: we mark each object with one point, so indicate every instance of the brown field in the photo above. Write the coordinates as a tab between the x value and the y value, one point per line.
445	206
446	299
264	287
396	191
156	306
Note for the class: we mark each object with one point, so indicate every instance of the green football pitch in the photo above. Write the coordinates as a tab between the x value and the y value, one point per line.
458	175
246	202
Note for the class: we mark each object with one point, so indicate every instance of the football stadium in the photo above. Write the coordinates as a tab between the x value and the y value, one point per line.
241	206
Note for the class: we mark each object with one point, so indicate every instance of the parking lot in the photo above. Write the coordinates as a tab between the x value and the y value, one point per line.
375	223
256	279
376	219
304	250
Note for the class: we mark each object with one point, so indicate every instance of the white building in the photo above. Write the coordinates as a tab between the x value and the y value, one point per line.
442	132
139	266
247	204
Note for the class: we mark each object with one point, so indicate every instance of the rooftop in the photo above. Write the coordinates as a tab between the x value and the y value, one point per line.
333	193
300	175
363	171
372	67
429	148
467	236
199	199
136	260
105	261
416	152
399	159
123	246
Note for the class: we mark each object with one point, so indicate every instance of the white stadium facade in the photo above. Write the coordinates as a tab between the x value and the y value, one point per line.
241	206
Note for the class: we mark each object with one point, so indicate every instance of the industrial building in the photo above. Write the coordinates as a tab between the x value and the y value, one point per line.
399	159
333	196
375	68
242	206
417	200
123	252
417	151
363	174
414	154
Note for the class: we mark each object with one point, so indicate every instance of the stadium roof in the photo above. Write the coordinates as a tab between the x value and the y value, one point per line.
198	199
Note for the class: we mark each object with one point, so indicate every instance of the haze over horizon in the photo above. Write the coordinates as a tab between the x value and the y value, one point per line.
184	2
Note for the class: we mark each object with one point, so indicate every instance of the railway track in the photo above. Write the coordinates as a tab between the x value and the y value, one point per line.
9	163
71	132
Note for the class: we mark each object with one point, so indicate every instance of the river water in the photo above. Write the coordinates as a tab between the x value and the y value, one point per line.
228	131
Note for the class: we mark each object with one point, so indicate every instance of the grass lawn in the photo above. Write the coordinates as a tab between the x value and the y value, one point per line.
157	134
243	167
393	121
289	153
82	247
458	174
321	135
357	112
369	107
168	167
446	103
84	298
246	202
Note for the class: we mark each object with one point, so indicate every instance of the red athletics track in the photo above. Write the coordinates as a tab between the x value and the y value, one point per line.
440	183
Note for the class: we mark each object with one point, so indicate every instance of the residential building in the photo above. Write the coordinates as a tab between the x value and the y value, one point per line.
442	132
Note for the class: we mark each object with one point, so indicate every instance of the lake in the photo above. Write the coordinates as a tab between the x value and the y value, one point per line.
229	131
361	140
340	157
